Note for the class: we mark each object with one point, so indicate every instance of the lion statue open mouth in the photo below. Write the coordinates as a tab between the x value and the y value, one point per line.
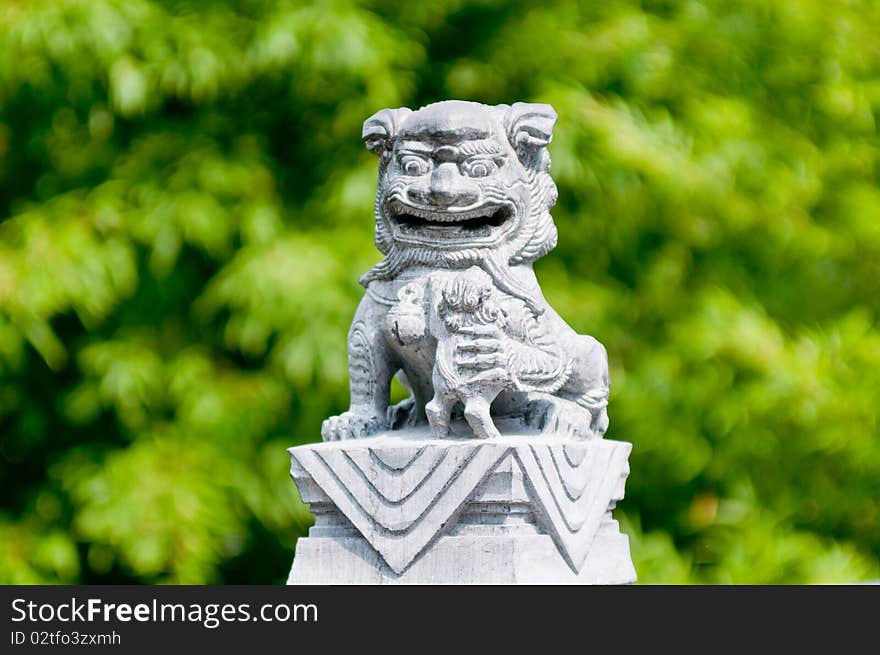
465	192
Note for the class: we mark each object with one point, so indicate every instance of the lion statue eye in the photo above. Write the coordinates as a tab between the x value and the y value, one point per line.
413	165
479	167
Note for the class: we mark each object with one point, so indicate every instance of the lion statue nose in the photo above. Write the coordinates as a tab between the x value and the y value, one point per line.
446	188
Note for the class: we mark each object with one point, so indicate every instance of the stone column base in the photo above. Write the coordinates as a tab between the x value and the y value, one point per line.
402	508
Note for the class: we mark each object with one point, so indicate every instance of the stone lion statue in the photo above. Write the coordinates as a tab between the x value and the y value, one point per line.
464	198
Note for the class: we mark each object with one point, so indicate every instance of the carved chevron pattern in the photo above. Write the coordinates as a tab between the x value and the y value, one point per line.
574	484
400	499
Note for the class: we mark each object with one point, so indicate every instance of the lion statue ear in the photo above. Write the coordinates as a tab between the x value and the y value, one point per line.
530	128
381	129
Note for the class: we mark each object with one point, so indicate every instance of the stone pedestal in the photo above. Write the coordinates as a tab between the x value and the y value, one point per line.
401	507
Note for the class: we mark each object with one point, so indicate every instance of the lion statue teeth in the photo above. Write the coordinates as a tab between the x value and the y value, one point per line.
462	211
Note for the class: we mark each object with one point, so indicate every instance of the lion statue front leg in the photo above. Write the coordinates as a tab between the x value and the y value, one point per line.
579	408
370	372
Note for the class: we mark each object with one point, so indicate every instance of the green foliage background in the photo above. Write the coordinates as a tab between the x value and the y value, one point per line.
186	207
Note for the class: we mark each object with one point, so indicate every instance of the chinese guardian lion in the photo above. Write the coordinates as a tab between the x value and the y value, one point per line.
454	308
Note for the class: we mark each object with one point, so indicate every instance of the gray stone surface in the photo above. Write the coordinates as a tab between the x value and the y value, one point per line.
490	560
406	508
494	469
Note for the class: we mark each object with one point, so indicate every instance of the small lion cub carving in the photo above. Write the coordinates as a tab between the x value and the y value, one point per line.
467	311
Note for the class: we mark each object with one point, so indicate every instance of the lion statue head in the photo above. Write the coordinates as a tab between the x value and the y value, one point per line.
463	184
